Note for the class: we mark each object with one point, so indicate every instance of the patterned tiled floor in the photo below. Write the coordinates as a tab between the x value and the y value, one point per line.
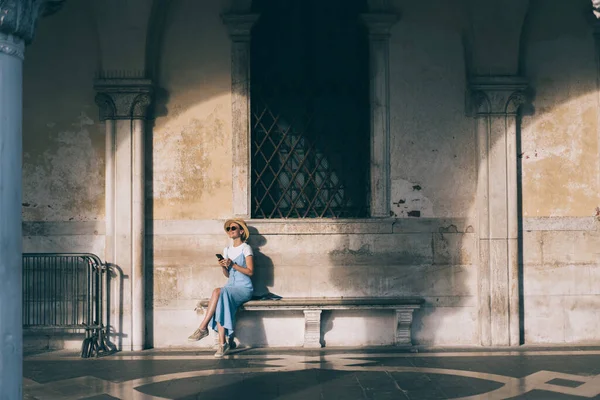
327	374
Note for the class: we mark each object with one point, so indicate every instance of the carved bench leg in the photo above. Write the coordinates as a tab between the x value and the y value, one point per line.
404	318
312	328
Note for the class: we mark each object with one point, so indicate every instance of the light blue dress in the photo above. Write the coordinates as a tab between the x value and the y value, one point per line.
236	292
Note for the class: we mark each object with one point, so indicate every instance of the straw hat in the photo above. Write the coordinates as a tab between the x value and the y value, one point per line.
241	223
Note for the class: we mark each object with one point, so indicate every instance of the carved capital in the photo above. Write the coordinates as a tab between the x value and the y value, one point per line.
140	105
123	98
106	105
596	8
239	25
477	102
379	24
12	45
19	17
496	95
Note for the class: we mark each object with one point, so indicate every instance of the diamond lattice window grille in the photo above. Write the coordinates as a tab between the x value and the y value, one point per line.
293	175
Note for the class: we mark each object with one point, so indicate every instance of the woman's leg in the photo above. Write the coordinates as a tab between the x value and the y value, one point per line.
210	310
221	334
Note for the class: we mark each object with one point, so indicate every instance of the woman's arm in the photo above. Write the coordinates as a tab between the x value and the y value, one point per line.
249	270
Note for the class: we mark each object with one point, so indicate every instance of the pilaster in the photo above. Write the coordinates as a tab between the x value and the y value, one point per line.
379	25
239	27
123	107
495	103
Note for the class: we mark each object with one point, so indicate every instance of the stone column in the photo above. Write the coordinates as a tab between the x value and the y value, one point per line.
240	26
123	106
16	29
11	107
379	25
495	103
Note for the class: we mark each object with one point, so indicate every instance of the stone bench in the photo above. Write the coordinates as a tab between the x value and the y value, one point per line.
313	306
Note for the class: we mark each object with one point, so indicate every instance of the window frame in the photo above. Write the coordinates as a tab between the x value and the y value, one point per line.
239	24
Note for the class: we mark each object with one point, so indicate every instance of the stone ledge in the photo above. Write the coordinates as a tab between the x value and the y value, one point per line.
317	226
263	227
561	224
309	226
329	303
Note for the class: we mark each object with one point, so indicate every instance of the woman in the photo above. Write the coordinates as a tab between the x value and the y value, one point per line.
237	265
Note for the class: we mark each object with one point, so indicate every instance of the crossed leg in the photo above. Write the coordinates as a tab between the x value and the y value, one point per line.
210	312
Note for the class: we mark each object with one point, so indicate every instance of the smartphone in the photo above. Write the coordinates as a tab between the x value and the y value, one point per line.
219	257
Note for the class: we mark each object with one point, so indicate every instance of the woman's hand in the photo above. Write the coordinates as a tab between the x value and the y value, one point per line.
225	262
249	270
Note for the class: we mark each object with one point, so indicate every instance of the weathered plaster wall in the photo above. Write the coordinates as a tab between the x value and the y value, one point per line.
561	280
423	258
191	159
560	160
433	170
433	156
560	141
433	159
63	142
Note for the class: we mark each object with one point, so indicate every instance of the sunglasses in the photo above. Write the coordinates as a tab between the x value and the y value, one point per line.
232	228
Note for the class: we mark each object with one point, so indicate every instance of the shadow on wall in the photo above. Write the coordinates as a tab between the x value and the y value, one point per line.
263	265
437	258
431	250
159	109
426	265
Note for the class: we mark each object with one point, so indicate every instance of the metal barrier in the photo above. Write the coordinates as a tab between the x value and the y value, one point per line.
66	292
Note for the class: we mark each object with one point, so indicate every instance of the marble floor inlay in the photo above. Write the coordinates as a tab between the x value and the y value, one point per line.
278	374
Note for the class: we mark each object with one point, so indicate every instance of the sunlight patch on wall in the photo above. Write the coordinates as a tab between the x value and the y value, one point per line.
560	159
192	162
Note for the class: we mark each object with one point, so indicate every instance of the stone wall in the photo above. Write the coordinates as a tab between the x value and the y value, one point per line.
432	257
190	174
63	142
428	247
559	150
561	279
429	258
560	164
